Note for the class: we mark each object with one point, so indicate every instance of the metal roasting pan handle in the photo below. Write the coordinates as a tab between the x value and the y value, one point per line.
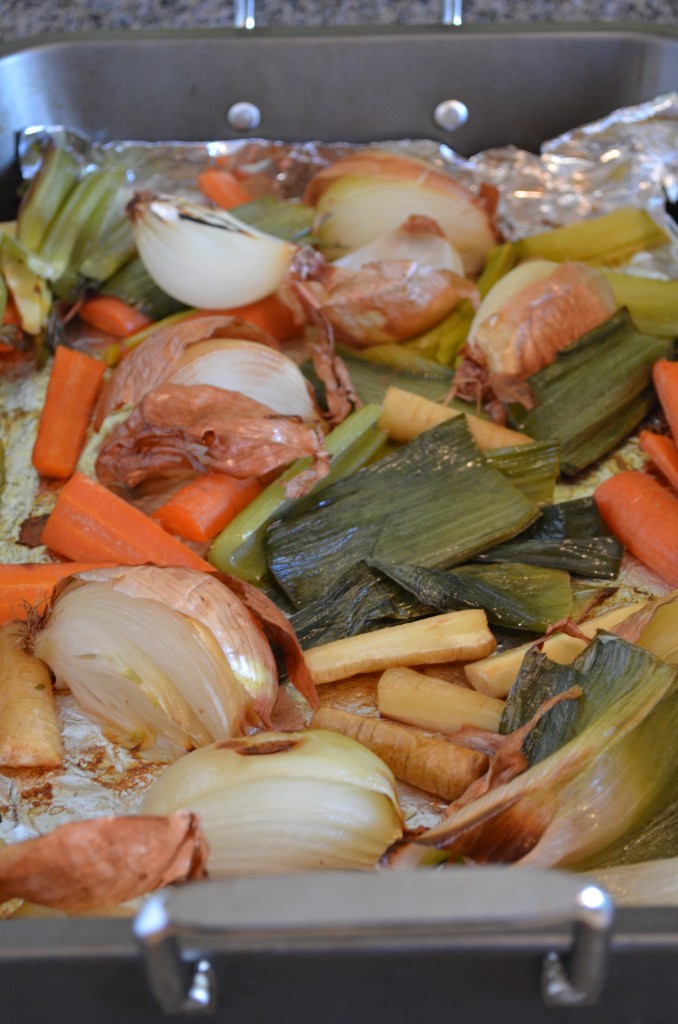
178	929
244	16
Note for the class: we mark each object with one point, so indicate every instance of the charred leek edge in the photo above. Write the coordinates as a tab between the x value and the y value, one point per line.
653	304
429	762
405	415
45	196
569	536
514	596
283	218
532	468
134	285
435	704
362	599
82	208
607	773
30	292
600	241
240	547
433	502
497	674
455	636
588	410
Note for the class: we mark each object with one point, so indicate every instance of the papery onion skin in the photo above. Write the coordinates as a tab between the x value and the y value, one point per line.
279	802
206	258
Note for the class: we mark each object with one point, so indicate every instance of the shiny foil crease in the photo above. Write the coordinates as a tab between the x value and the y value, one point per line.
628	157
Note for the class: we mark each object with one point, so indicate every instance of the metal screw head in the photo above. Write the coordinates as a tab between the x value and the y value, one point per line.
450	115
243	116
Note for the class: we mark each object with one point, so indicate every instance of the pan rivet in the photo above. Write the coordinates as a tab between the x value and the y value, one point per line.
243	116
450	115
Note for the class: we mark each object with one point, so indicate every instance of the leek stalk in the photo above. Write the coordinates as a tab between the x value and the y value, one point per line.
133	284
282	218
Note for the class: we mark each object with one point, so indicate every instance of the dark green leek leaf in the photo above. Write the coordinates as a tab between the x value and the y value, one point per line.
134	285
595	393
570	536
360	600
514	596
533	468
434	502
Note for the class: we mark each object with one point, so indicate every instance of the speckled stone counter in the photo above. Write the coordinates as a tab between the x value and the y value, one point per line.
26	18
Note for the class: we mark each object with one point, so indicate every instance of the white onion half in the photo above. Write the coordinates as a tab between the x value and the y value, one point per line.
278	802
206	258
255	370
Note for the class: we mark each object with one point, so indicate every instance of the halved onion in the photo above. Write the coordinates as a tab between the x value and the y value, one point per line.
533	312
277	802
261	373
165	658
371	193
203	257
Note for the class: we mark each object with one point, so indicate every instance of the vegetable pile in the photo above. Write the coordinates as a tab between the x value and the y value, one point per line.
342	505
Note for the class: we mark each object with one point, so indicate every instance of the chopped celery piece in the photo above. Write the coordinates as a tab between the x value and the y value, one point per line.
569	536
134	285
608	240
83	208
514	596
653	304
598	389
30	292
241	547
46	194
283	218
109	254
434	502
533	468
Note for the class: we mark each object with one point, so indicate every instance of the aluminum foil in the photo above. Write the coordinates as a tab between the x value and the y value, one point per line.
629	157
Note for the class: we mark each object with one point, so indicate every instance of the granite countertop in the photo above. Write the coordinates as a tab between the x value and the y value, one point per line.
27	18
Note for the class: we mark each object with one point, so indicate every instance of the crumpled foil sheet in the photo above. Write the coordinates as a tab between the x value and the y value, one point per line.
629	157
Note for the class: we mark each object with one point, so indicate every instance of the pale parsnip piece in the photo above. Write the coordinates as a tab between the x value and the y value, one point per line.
29	729
435	704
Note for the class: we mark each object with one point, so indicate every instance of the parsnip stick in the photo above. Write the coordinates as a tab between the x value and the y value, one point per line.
435	704
405	415
29	730
496	675
431	763
453	636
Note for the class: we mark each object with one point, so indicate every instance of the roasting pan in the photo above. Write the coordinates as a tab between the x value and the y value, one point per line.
468	944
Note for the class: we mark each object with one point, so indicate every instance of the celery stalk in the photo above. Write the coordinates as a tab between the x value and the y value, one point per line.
45	196
29	291
608	240
240	547
652	303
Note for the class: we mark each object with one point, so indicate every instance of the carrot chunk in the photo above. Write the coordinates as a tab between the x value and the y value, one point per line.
29	585
201	509
223	188
113	316
73	388
91	524
665	379
271	314
663	454
643	515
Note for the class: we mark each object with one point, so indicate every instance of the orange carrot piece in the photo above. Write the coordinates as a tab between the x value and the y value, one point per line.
113	316
663	454
73	388
665	378
201	509
223	188
24	586
270	314
89	523
643	515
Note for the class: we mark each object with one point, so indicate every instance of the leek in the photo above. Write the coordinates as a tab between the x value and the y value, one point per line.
240	547
133	284
282	218
514	596
371	380
603	787
29	291
434	502
569	536
595	393
532	468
